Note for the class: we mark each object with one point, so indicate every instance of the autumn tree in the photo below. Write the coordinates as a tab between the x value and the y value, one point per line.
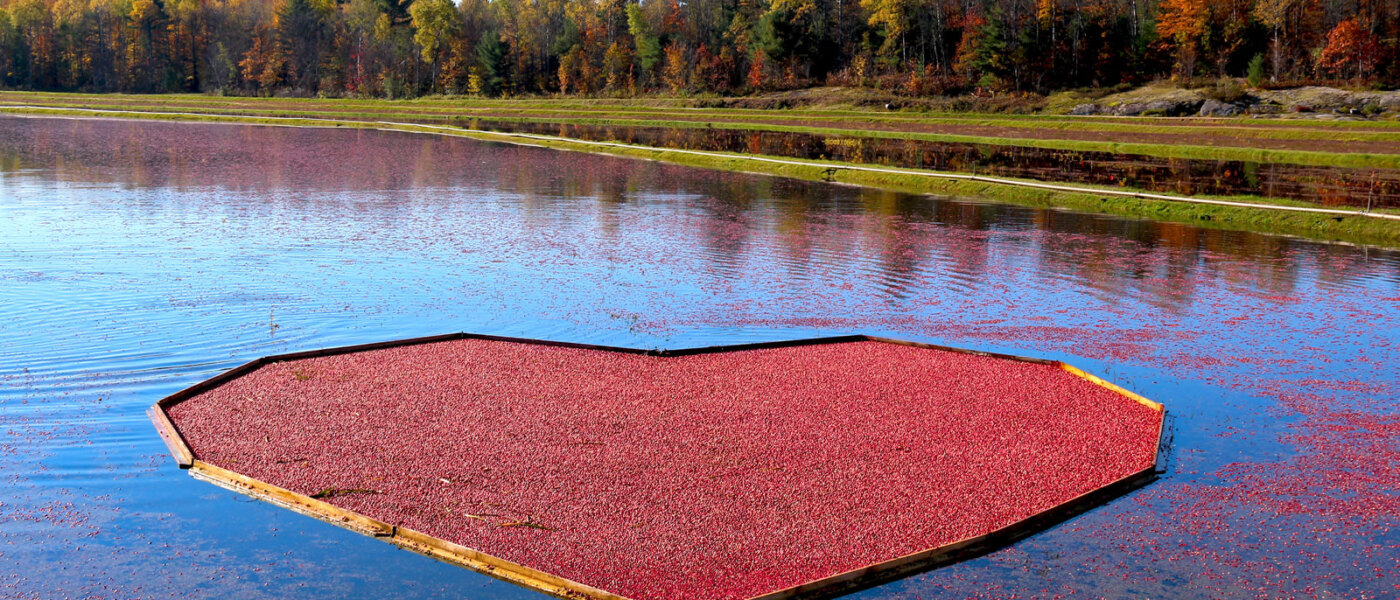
703	70
147	46
399	48
619	67
263	64
677	71
9	48
758	76
1274	15
186	38
1183	23
434	22
571	79
364	28
103	33
1351	50
891	19
300	27
983	57
791	32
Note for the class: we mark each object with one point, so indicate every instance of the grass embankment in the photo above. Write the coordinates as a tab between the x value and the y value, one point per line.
653	106
1355	229
1375	146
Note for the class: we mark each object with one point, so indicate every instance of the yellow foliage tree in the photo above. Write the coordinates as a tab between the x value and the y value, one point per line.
1184	23
892	18
677	68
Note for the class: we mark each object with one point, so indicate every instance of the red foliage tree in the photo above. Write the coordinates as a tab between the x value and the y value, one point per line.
1351	50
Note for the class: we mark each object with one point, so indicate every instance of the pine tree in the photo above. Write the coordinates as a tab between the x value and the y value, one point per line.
491	62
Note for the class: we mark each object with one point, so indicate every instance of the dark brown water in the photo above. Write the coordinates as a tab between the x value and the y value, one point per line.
1329	186
137	258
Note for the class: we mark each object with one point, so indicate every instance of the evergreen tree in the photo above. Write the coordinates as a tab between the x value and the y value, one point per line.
491	62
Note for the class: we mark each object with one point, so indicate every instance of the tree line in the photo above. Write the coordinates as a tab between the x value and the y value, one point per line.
404	48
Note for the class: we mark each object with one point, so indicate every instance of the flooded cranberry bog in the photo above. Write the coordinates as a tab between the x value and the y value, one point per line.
1334	164
1366	188
138	259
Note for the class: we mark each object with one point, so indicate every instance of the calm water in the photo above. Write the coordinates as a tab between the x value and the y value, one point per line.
139	258
1330	186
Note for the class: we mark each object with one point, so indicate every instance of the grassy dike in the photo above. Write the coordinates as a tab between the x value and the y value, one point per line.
728	119
688	106
1350	229
1247	127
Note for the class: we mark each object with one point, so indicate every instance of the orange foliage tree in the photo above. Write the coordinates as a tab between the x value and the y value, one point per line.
1184	23
1351	50
677	68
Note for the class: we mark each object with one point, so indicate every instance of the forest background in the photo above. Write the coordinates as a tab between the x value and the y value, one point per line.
407	48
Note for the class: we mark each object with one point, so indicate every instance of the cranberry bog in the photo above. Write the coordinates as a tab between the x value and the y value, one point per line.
1327	164
1326	186
797	469
140	258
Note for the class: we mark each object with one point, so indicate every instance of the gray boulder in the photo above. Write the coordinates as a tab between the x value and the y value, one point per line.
1131	109
1174	108
1085	109
1170	108
1216	108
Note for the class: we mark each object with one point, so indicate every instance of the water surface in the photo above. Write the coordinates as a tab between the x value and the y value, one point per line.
1364	188
137	258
